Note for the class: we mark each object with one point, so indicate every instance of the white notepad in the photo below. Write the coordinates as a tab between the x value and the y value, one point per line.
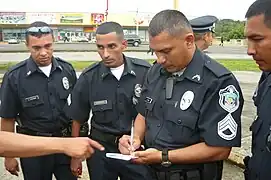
119	156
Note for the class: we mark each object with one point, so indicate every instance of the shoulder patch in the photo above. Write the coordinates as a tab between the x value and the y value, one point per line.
91	67
139	62
218	69
17	66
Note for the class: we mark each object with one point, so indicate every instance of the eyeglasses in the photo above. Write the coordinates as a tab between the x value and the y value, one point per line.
43	30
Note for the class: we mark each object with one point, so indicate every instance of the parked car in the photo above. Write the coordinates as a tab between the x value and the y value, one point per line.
133	39
13	41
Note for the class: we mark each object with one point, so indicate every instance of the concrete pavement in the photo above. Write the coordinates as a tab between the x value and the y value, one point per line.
248	82
87	47
93	56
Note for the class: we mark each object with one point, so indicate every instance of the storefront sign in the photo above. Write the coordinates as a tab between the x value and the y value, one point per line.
49	18
12	18
97	18
73	18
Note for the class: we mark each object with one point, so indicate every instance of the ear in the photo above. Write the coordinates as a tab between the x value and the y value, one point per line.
124	44
190	40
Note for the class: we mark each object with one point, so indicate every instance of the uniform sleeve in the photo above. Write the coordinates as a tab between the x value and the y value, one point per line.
220	120
10	102
140	106
79	108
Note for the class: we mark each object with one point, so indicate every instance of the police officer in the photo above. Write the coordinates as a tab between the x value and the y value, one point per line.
258	33
190	106
203	28
110	89
36	91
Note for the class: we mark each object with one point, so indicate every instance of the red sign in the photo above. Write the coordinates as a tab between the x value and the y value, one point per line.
97	18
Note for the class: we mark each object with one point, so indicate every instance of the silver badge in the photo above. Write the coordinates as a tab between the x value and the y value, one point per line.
186	100
229	98
65	83
137	90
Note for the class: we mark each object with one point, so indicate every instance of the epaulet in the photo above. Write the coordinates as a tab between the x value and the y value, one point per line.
218	69
17	66
91	67
62	60
139	62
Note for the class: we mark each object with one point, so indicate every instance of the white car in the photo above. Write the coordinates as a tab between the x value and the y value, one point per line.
13	41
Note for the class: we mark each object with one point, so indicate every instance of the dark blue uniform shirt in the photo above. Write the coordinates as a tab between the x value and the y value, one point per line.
112	101
259	164
205	106
37	99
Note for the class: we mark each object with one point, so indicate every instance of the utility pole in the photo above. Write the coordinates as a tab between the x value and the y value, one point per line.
176	4
106	10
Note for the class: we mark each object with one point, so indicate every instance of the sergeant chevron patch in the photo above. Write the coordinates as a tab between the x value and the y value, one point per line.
227	128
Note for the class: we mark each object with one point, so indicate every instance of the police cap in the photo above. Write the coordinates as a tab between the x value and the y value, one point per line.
203	24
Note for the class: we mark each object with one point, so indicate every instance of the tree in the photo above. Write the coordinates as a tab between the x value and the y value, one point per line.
230	29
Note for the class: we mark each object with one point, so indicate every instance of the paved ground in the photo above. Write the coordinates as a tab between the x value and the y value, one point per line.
248	81
93	56
229	49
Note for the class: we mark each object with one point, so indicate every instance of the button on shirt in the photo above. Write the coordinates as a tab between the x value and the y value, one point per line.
205	105
112	101
37	99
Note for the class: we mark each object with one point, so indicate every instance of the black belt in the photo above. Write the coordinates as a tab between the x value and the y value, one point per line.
30	132
106	137
185	172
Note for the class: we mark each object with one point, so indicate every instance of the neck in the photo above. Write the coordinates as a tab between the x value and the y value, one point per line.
201	45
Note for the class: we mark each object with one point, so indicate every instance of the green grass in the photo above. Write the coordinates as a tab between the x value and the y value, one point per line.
232	65
239	65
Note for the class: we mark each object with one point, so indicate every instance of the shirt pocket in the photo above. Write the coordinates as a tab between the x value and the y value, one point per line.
102	112
33	105
181	125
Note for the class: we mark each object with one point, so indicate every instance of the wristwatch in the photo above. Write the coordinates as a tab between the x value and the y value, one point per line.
165	160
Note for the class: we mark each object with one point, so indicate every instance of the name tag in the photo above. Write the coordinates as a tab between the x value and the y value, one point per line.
32	98
98	103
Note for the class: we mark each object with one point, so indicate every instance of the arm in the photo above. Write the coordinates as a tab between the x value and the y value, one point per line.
7	124
198	153
140	127
30	146
75	128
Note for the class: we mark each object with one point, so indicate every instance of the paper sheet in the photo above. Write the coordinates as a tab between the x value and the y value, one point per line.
119	156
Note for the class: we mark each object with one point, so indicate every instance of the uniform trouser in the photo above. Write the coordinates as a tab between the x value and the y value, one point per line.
174	175
102	168
213	171
43	167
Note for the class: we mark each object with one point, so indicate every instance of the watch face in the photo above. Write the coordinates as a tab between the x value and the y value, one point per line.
166	163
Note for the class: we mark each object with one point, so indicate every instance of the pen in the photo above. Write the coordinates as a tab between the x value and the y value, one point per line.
132	136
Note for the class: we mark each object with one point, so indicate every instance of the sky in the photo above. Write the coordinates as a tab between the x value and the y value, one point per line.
223	9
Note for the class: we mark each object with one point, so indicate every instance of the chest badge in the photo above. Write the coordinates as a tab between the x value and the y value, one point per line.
65	83
186	100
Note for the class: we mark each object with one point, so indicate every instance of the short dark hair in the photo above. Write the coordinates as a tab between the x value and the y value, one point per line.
260	7
38	34
171	21
110	27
